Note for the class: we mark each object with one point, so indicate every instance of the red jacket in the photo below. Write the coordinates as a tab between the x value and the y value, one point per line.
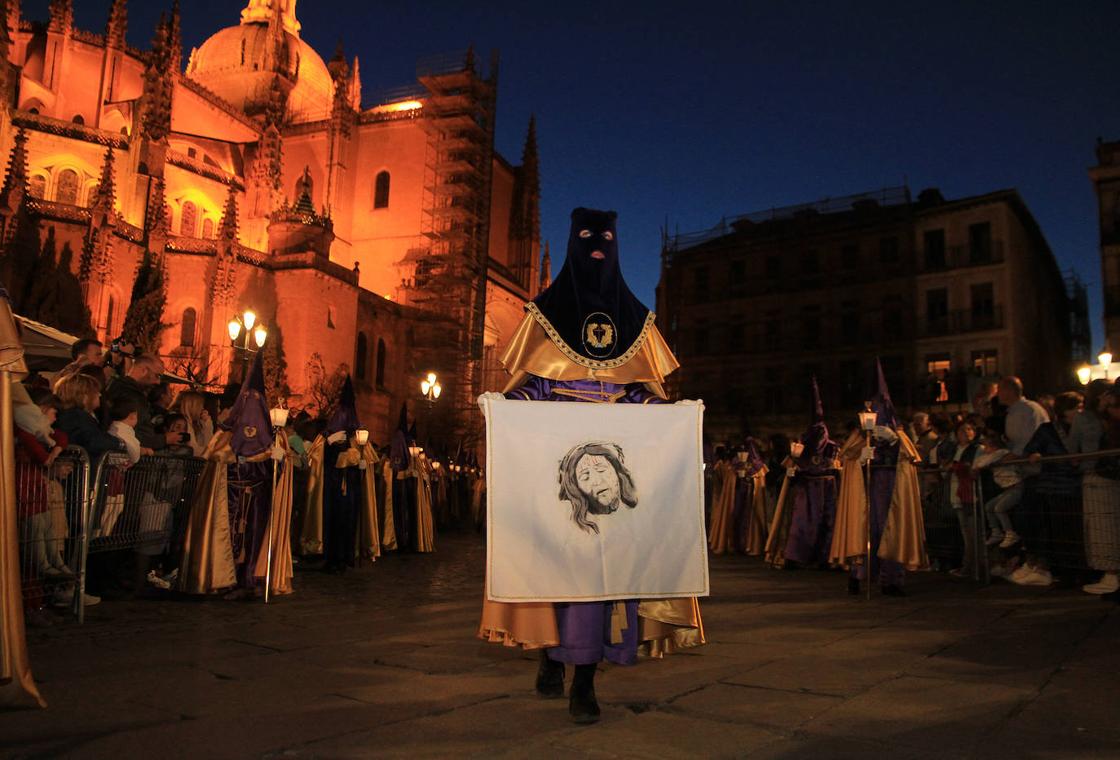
31	472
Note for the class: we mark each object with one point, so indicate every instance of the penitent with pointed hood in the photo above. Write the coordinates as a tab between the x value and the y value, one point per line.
587	338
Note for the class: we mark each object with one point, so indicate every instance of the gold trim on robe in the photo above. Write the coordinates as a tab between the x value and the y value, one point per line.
532	352
904	538
849	534
666	626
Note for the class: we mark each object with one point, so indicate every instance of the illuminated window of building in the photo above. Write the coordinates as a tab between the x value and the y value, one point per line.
986	362
189	220
379	376
361	352
937	370
381	190
67	191
38	186
187	327
208	228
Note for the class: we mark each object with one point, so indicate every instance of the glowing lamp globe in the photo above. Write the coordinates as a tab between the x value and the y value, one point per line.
234	328
1084	374
363	436
278	416
260	335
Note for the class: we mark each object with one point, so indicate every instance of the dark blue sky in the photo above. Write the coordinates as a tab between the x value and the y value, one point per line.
693	111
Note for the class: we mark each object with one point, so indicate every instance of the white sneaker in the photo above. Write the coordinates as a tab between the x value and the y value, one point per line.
1036	577
155	580
1009	540
1019	573
994	539
1106	585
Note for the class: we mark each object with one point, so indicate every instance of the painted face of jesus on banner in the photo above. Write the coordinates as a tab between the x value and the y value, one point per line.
594	480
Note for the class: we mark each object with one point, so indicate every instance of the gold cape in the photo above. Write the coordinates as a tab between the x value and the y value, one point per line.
664	624
425	525
775	552
532	351
17	684
723	503
755	540
280	527
369	539
388	528
903	538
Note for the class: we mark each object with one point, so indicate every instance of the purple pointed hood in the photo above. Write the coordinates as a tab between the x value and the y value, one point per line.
248	420
881	402
819	450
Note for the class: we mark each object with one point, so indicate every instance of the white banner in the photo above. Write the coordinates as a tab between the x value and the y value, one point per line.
592	502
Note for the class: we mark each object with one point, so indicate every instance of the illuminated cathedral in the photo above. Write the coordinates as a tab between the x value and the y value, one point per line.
385	235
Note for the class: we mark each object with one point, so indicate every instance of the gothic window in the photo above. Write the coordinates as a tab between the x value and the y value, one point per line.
242	52
78	119
362	352
381	190
38	186
67	191
109	321
189	220
379	377
208	228
186	327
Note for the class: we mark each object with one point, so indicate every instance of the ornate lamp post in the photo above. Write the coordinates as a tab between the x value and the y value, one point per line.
241	328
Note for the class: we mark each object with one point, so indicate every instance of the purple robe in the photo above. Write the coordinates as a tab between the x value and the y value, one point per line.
585	627
249	492
887	572
812	519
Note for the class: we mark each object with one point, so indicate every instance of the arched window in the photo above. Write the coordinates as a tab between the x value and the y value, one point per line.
38	186
189	220
110	331
360	358
78	119
381	190
379	377
186	327
67	191
208	228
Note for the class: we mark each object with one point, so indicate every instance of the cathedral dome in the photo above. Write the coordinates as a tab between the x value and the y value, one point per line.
239	63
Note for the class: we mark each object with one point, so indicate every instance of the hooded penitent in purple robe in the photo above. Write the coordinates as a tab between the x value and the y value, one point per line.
588	339
812	492
748	514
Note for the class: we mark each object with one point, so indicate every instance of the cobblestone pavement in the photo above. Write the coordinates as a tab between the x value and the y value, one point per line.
382	662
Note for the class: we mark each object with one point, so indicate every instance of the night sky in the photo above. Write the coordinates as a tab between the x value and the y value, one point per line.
689	111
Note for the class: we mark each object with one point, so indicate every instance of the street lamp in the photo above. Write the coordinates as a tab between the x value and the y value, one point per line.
1084	374
430	387
240	329
867	420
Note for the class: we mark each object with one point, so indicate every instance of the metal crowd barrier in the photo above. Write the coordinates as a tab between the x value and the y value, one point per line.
142	506
50	507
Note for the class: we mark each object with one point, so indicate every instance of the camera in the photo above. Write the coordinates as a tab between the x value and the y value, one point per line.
122	347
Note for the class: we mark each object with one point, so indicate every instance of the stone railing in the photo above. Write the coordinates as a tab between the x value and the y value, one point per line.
60	211
203	169
40	123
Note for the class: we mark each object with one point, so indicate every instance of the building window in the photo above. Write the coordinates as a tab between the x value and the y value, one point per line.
893	323
938	367
379	376
38	186
849	257
810	263
980	243
67	190
78	119
811	327
850	322
986	362
700	283
208	228
738	277
773	267
110	327
888	250
983	306
187	326
361	352
772	331
937	310
935	249
735	337
381	190
188	220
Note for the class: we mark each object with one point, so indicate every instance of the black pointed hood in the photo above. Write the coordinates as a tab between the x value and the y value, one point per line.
589	304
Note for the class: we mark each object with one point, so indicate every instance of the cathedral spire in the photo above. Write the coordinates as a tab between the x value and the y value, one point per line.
174	41
261	12
61	16
13	15
227	228
106	187
117	25
15	181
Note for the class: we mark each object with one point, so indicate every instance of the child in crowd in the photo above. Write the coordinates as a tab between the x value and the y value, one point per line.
124	416
1007	478
962	493
37	448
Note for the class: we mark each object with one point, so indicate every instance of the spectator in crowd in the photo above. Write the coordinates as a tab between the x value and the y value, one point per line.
134	387
962	493
1100	493
87	351
923	434
80	398
1010	485
982	401
174	422
1023	416
1067	408
37	448
942	450
125	416
1046	401
159	402
200	428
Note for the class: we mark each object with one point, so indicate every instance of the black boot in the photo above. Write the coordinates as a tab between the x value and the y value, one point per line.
853	586
550	678
582	706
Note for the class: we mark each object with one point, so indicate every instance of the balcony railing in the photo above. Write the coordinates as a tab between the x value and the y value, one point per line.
963	321
957	256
